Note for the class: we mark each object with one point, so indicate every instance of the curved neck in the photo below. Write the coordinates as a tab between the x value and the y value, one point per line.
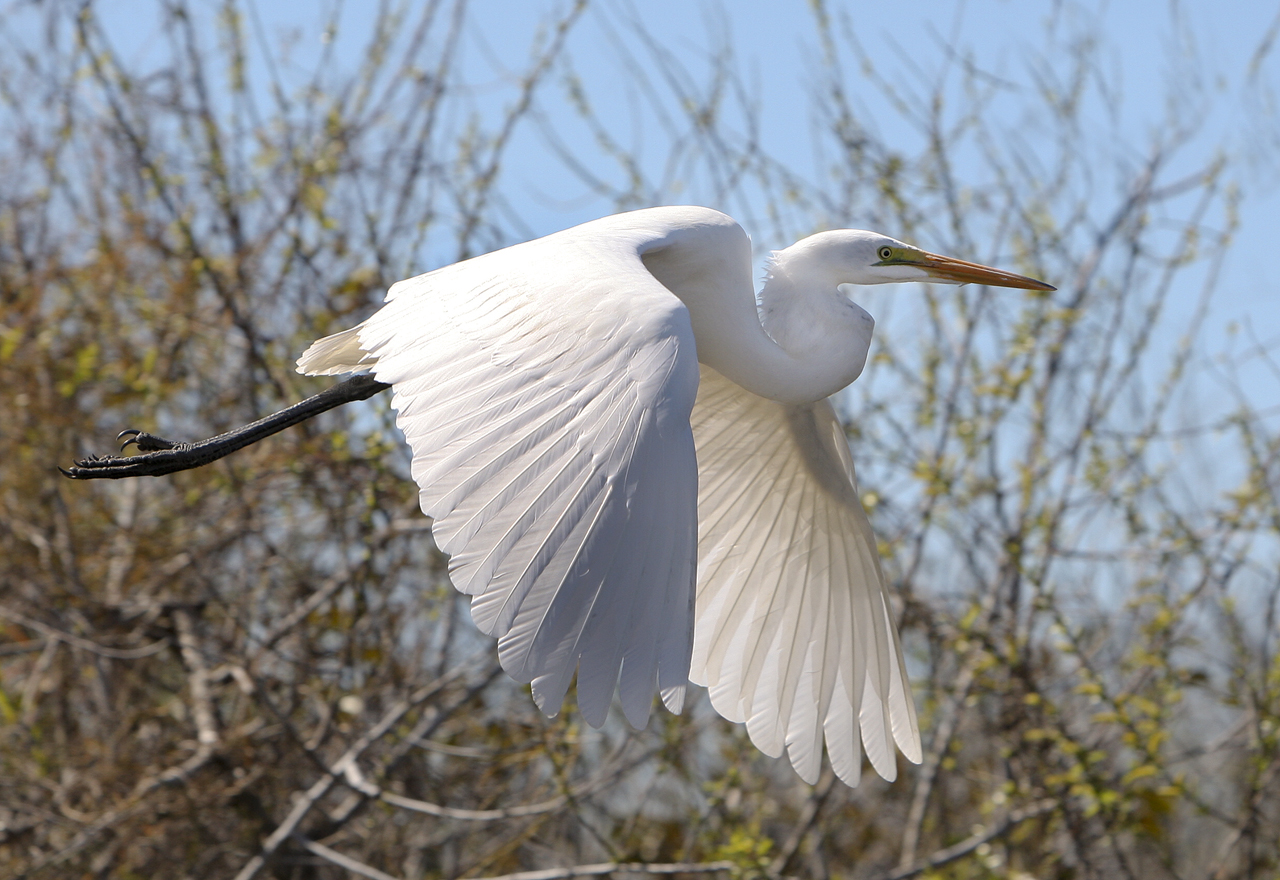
827	333
811	344
813	341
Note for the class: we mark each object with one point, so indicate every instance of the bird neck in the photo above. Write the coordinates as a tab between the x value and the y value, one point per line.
826	333
802	344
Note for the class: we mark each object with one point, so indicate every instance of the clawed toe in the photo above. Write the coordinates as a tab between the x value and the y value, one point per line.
113	466
143	441
85	466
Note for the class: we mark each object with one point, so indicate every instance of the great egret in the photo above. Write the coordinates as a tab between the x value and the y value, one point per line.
605	424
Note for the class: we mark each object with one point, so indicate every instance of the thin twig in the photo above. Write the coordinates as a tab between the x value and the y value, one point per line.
83	644
808	818
332	855
302	806
969	844
133	804
620	868
31	688
361	784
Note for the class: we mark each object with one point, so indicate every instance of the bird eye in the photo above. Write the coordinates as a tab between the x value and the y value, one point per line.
886	252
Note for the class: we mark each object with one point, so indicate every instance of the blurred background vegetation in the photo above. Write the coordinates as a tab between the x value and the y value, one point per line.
259	668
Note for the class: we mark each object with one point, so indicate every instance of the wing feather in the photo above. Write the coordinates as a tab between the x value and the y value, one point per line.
540	394
793	628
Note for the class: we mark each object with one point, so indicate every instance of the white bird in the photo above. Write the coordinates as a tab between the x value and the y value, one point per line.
636	473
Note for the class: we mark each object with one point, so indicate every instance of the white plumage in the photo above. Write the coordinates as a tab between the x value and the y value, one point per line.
794	634
584	473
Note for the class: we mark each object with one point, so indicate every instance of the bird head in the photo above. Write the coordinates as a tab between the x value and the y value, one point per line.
856	256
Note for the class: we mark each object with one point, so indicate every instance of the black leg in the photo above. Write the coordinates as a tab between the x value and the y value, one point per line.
160	456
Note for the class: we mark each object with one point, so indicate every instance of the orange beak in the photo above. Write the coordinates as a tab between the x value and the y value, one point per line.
964	272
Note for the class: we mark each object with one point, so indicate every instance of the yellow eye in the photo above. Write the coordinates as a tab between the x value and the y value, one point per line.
886	252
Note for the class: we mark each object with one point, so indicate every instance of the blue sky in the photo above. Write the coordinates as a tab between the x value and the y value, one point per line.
1207	61
1160	58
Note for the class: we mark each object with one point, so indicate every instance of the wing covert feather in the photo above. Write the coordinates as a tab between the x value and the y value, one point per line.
793	630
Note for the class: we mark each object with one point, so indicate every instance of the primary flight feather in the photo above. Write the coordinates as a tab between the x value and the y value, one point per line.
637	477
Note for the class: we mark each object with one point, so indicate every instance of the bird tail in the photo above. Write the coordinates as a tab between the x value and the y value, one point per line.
339	353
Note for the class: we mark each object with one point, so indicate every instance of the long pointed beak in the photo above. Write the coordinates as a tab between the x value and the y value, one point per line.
963	272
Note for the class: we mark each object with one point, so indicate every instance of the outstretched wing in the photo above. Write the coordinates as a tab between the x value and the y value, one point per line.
545	391
793	630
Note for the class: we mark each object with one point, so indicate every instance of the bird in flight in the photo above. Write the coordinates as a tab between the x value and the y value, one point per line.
633	466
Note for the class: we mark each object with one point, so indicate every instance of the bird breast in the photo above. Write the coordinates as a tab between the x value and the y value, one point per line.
826	334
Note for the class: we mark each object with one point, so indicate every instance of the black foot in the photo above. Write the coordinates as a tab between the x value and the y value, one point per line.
159	456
